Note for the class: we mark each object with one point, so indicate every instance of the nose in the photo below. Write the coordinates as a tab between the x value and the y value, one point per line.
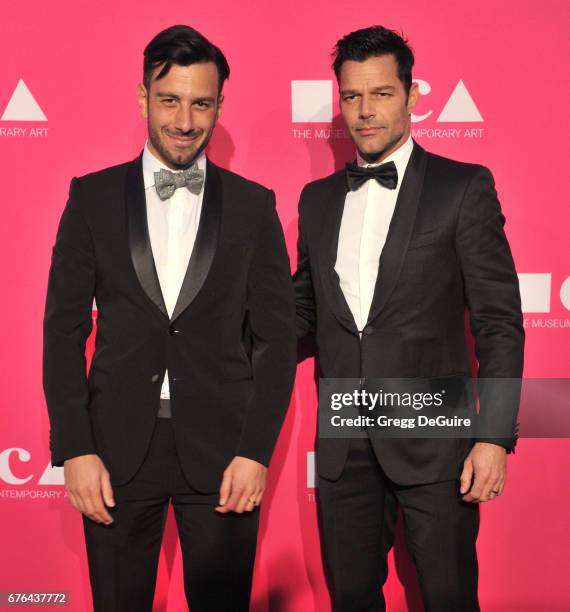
366	110
183	119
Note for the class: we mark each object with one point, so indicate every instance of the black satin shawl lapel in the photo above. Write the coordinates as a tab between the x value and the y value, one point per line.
328	246
400	231
206	241
139	239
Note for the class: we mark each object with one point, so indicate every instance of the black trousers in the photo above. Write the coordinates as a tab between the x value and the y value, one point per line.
218	550
357	516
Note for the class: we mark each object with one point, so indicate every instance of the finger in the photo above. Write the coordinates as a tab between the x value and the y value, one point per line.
96	508
466	477
477	489
102	513
493	495
257	496
232	500
245	501
236	498
80	502
107	490
73	501
256	499
86	504
501	487
496	489
96	511
502	484
72	490
490	488
225	488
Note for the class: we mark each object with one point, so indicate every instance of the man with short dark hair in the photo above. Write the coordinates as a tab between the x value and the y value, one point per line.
195	348
391	253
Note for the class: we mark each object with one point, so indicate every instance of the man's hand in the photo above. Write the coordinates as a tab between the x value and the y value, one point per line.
88	486
484	472
242	487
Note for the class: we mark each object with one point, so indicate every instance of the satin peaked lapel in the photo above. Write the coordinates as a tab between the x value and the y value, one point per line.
328	249
139	239
206	241
400	231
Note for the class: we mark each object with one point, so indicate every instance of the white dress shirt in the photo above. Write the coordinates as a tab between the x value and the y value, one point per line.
363	230
172	227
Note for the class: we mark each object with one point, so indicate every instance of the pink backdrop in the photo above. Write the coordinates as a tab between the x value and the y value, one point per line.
492	75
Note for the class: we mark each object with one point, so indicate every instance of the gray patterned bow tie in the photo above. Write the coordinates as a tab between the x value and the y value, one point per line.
167	182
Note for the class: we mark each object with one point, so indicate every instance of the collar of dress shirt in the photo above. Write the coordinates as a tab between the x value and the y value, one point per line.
152	164
400	157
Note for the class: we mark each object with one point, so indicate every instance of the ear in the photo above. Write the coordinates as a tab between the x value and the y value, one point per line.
413	97
143	101
220	106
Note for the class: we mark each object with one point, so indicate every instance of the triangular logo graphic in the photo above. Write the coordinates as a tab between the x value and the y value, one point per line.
460	106
52	476
23	106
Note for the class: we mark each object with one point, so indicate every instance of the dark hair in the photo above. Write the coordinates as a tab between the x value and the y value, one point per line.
182	45
373	42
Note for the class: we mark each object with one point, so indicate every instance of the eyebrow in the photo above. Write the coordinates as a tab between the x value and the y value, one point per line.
166	94
345	92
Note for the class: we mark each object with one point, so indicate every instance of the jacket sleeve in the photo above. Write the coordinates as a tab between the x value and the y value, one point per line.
493	299
305	317
273	350
67	325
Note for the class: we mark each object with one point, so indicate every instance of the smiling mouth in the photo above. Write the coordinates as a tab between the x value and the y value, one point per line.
182	140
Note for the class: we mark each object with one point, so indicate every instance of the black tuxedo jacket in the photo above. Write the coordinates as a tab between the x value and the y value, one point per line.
445	251
229	347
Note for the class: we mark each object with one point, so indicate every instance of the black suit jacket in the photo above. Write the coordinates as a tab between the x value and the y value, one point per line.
445	251
229	346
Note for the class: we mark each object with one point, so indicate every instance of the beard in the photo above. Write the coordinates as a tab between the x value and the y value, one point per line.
178	160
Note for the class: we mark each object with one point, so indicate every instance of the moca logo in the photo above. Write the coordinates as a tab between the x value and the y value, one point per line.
312	102
536	292
459	108
22	106
50	476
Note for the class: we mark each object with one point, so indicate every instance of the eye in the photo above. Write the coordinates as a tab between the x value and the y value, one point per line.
349	98
202	104
168	101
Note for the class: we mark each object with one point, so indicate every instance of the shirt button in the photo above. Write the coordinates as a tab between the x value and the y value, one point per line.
368	330
155	378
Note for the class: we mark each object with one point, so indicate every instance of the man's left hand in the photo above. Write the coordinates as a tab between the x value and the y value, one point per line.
484	472
242	486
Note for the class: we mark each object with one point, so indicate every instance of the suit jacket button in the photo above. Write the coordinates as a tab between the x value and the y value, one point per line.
172	331
368	330
155	378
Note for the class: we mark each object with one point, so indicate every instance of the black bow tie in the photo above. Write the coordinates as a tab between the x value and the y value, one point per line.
386	174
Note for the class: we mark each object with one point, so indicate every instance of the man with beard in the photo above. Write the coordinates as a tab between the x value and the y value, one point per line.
195	348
